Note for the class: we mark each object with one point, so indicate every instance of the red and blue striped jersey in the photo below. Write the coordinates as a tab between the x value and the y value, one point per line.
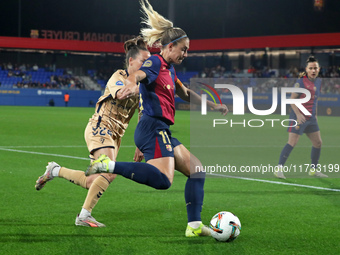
157	90
314	89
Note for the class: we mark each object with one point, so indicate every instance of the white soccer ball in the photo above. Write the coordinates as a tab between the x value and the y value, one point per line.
225	226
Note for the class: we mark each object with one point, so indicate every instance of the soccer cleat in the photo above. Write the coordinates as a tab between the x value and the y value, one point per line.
279	173
47	176
202	230
316	173
89	221
101	165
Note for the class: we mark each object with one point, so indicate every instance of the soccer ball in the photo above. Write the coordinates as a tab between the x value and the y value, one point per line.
225	226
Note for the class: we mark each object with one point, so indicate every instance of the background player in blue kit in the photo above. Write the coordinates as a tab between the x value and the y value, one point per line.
305	124
163	153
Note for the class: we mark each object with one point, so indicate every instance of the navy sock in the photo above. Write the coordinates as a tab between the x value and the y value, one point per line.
285	154
194	194
143	173
315	155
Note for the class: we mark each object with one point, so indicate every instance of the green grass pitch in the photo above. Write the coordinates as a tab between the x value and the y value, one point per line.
276	219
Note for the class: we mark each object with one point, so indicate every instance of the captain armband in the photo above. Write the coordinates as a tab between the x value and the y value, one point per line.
178	82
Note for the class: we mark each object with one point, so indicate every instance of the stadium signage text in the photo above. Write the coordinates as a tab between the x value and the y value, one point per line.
80	36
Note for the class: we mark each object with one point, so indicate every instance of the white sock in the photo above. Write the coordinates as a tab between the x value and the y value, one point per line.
112	166
55	171
84	213
194	224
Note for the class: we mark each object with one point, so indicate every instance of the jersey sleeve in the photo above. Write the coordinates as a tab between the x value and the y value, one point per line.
299	83
151	68
116	82
176	78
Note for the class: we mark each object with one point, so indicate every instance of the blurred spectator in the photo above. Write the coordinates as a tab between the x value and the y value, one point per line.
35	67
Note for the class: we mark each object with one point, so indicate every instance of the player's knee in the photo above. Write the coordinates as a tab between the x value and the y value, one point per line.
198	175
318	144
165	183
292	143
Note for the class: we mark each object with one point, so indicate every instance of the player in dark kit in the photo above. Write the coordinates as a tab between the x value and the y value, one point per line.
305	124
163	153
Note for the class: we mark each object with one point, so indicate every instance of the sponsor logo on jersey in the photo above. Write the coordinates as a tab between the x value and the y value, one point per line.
147	63
119	83
168	86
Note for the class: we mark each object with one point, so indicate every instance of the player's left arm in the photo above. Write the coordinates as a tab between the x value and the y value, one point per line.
191	96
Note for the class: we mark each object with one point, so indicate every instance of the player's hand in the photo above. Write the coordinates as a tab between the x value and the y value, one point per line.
127	92
138	157
222	108
300	119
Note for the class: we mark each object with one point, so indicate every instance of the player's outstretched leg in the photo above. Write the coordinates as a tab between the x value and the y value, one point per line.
142	173
52	169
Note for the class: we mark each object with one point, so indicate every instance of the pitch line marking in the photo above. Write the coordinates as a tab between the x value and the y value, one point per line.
276	182
55	146
45	154
220	175
256	146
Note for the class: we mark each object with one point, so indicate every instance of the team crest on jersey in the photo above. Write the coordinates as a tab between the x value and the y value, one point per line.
297	85
168	147
147	63
314	88
119	83
297	127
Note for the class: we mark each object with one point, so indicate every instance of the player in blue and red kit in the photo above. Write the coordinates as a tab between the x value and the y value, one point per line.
162	152
305	124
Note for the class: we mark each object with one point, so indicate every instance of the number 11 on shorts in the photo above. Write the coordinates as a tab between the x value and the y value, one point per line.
165	137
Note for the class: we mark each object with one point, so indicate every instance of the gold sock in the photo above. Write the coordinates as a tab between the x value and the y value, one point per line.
74	176
96	190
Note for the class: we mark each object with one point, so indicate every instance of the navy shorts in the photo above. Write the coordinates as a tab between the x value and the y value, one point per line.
310	126
153	138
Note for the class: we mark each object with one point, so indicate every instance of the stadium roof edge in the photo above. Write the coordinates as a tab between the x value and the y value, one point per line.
220	44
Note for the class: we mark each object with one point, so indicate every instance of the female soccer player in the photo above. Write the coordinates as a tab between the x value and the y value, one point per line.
305	124
163	153
103	133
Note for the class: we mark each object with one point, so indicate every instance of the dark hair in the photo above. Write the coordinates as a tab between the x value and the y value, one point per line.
132	48
311	59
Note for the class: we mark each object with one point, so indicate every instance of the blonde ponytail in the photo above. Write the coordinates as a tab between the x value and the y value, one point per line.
159	31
